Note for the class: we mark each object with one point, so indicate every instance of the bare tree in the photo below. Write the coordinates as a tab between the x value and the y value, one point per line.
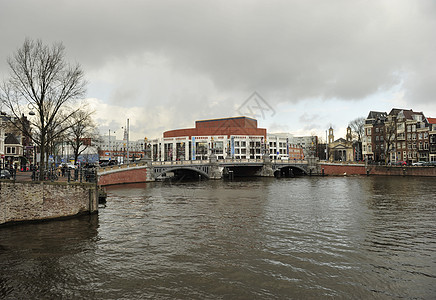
82	131
357	128
43	83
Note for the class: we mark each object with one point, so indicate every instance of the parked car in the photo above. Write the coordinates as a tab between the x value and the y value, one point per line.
419	163
69	166
109	163
4	174
401	163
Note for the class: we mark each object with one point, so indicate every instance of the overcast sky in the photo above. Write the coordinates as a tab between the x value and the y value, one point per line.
164	64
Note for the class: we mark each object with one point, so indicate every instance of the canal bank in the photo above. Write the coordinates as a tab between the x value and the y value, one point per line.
37	201
338	169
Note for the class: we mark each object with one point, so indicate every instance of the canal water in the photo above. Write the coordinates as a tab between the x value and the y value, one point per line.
299	238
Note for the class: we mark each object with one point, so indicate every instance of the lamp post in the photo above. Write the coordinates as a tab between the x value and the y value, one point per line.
109	145
128	158
126	137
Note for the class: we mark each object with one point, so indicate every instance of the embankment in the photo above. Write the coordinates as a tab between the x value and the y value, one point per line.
361	169
33	201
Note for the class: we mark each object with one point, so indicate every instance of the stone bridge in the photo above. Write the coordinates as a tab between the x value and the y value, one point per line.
145	171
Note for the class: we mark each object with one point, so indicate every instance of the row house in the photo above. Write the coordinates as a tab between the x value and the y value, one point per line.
432	138
373	147
13	143
401	135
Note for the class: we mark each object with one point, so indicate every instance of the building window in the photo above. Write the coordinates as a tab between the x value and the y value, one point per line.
10	150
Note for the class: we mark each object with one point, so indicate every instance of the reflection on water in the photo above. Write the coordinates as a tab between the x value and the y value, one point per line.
362	237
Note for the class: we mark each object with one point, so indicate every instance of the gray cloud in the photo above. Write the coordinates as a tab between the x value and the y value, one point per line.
286	50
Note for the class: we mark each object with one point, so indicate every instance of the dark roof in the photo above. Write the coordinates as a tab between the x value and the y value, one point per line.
374	116
408	113
11	140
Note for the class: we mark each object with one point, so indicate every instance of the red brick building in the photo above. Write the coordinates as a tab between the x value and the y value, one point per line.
226	126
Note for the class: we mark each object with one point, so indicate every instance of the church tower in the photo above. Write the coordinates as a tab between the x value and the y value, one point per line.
331	136
349	136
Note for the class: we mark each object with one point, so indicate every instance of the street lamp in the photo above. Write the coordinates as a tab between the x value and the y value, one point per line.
126	136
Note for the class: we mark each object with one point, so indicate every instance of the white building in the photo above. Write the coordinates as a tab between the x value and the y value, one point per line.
201	147
224	147
109	148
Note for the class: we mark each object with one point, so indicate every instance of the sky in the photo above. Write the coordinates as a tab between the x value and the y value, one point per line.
296	66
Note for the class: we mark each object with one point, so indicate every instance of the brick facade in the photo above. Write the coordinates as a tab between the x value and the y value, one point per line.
227	127
341	169
128	175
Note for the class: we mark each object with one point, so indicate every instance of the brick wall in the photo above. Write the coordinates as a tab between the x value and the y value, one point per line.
340	169
29	201
402	171
121	176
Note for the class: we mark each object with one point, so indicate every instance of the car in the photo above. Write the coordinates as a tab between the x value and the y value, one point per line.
5	174
109	163
419	163
69	166
401	163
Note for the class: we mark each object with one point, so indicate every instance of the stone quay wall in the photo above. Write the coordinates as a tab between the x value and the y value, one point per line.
32	201
361	169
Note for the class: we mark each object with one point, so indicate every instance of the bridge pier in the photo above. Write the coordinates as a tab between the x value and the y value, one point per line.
267	169
313	165
215	171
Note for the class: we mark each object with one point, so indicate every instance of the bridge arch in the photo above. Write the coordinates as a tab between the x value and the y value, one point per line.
181	170
289	171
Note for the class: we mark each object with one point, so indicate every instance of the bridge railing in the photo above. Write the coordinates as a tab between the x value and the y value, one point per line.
204	162
289	161
180	162
123	166
226	160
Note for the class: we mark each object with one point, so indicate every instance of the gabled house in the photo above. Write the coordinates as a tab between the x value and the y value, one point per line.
13	150
432	138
